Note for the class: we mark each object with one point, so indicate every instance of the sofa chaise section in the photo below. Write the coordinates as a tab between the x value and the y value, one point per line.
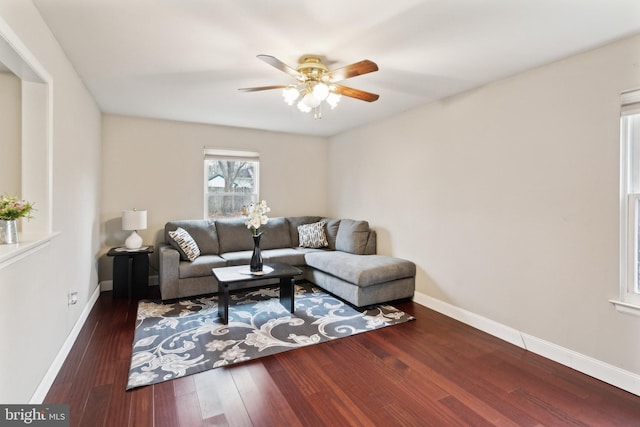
362	279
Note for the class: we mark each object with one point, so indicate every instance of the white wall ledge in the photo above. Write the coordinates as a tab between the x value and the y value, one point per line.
28	244
625	307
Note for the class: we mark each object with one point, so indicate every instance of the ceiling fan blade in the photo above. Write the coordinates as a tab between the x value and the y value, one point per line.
355	93
256	89
275	62
357	69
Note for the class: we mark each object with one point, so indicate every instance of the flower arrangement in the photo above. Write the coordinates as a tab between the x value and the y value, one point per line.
257	214
11	208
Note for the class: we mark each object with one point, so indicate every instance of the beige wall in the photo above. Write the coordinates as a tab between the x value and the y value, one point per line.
158	165
507	199
41	281
10	135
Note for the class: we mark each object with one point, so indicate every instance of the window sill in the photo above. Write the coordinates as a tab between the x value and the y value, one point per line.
28	244
625	307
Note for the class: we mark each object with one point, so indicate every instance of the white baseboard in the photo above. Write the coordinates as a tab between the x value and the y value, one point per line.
486	325
610	374
52	372
588	365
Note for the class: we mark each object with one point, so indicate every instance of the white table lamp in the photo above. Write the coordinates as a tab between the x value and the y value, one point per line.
134	220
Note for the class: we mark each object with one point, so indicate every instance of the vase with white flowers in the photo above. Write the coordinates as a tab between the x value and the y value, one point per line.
257	216
11	209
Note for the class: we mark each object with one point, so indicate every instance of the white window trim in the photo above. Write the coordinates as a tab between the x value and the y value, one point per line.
231	154
629	298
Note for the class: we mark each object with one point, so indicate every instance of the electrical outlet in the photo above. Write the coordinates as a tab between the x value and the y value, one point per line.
73	298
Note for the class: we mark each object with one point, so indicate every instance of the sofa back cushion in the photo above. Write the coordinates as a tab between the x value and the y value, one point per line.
235	236
331	230
276	234
372	243
352	236
202	231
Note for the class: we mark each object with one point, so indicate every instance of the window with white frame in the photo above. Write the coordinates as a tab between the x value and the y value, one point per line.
630	199
230	181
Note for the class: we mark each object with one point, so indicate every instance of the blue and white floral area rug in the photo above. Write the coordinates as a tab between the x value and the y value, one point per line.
187	337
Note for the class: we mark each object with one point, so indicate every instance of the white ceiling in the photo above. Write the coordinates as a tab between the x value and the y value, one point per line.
185	59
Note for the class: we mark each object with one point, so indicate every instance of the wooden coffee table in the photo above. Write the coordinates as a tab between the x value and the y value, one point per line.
229	276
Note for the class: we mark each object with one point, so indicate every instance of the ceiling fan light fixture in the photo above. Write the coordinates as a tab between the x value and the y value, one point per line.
321	91
333	99
303	107
290	94
310	100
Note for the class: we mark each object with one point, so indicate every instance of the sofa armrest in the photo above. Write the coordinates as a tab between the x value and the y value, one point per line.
169	268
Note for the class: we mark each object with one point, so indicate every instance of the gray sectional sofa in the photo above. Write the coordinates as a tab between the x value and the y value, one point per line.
347	267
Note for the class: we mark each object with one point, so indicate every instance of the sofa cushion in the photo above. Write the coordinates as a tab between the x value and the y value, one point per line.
361	270
201	230
184	243
294	222
238	257
200	267
372	243
275	234
312	235
352	236
331	230
291	256
233	235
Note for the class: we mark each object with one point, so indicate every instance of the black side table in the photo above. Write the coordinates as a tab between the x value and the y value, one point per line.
130	271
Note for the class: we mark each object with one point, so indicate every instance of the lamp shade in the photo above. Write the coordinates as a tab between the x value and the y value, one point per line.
134	220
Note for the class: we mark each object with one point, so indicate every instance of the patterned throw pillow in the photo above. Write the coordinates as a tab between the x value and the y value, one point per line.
185	244
313	235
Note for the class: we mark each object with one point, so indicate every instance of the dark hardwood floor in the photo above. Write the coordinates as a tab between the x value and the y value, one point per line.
431	371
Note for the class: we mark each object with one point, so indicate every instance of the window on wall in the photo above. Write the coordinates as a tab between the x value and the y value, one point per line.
231	180
630	201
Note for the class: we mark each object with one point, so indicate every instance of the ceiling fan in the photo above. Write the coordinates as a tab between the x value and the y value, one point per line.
316	83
